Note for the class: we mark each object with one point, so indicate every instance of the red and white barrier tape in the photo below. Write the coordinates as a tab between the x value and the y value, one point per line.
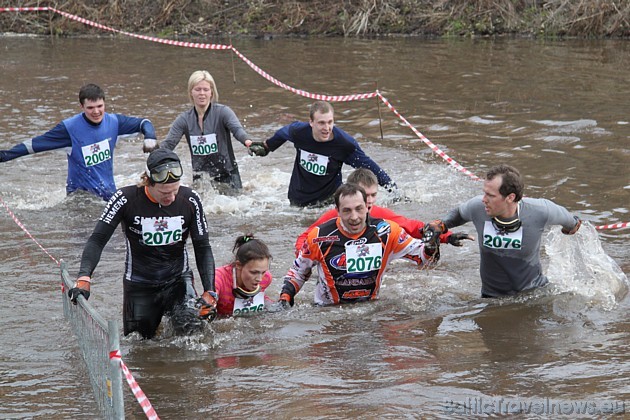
142	399
137	391
17	222
110	29
267	76
316	96
428	142
614	226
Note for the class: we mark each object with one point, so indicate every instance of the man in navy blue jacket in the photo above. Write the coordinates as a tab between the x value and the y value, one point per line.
321	150
90	140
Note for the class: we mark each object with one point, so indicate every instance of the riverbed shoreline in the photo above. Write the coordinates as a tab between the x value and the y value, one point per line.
266	19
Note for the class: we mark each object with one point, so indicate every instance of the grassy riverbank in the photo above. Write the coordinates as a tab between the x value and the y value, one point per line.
266	18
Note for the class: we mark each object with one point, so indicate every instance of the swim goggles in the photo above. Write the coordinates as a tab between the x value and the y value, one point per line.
503	227
169	170
508	226
244	294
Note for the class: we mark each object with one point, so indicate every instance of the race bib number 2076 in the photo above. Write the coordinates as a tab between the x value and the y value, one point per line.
158	231
363	257
492	238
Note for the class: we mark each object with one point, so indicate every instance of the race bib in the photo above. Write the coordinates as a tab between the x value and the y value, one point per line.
249	306
204	145
158	231
493	239
313	163
363	257
96	153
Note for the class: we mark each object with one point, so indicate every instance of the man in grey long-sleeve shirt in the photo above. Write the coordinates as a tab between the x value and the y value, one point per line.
510	230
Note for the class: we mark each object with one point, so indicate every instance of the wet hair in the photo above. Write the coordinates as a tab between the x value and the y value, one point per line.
511	180
90	92
320	106
362	176
247	248
348	189
200	76
145	181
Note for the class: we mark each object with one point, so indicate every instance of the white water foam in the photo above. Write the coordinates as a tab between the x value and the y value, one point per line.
578	264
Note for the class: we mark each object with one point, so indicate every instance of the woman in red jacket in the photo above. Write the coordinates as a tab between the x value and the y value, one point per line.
241	284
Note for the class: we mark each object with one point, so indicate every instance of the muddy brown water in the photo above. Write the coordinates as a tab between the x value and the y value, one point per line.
558	110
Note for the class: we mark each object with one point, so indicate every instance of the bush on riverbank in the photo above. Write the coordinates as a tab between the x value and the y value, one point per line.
201	18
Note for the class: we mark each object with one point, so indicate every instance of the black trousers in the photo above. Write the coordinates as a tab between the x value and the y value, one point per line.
228	184
145	304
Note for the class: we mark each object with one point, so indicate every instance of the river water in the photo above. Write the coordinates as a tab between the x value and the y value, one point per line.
430	347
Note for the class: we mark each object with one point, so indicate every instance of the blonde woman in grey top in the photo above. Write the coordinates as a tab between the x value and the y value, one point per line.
207	127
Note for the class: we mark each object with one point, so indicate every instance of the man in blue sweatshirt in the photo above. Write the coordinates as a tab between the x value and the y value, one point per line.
321	150
90	140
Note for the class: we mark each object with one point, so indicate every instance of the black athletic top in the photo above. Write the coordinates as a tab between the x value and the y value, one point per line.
155	235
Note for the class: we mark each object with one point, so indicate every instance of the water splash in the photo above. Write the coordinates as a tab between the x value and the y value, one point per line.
578	264
263	191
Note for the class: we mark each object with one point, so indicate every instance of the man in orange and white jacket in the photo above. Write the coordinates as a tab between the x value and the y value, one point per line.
368	181
352	252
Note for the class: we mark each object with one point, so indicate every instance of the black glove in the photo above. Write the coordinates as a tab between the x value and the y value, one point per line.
1	156
81	288
286	301
396	194
75	292
279	306
432	231
208	305
457	238
287	294
431	237
578	223
258	148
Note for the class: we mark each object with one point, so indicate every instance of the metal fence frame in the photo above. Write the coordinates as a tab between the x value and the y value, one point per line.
96	338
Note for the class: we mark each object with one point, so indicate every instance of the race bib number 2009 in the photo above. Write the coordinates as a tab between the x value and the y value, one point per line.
492	238
313	163
93	154
158	231
204	145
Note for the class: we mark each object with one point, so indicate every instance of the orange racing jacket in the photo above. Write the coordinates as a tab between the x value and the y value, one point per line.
351	266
